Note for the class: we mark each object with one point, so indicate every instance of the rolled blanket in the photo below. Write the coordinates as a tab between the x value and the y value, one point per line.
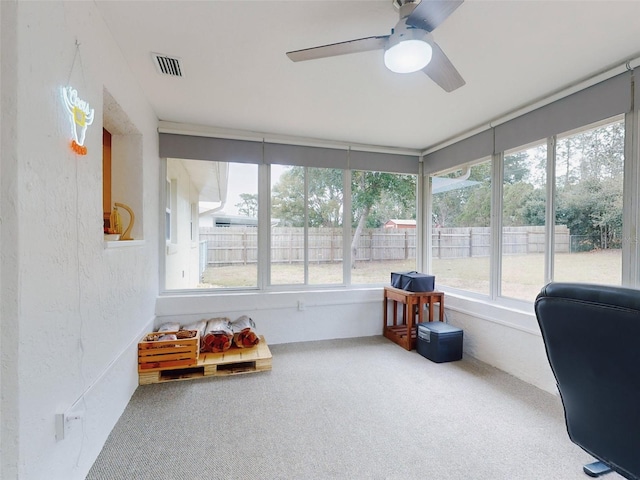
171	336
218	335
169	327
244	334
199	326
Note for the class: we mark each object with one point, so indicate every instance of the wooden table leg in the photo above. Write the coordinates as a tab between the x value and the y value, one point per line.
395	313
441	308
431	298
410	318
384	312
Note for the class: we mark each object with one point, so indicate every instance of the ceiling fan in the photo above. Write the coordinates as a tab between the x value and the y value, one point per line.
410	46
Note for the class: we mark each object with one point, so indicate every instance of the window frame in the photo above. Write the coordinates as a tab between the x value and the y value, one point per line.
264	238
631	191
168	219
429	217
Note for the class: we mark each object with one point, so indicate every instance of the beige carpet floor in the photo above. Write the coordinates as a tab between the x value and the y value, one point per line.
344	409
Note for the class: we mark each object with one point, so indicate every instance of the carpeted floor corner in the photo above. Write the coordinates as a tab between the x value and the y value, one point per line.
344	409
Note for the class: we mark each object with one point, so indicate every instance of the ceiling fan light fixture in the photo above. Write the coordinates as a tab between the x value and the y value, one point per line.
408	56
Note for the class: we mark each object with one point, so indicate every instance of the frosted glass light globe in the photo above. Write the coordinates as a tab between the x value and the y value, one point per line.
408	56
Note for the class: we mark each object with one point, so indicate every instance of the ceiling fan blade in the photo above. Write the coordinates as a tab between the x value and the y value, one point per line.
441	70
428	14
342	48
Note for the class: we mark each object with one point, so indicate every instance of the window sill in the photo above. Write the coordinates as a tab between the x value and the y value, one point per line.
123	243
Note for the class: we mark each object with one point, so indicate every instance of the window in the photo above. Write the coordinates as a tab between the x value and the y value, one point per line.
274	217
325	223
523	222
383	220
583	243
461	230
306	225
588	214
213	219
307	236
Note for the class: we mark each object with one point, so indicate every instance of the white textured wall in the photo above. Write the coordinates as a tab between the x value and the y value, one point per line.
9	244
337	313
181	261
505	338
80	308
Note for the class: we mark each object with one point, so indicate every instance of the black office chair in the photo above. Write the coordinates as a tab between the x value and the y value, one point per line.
592	337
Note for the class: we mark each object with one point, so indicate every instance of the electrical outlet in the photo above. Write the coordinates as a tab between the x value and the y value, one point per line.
301	306
66	422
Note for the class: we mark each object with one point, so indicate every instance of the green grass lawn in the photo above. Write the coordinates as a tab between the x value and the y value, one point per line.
522	275
293	274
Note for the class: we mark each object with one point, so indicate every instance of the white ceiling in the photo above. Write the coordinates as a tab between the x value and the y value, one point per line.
237	76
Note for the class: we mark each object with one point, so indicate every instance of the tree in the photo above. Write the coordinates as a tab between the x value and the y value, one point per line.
535	207
373	192
376	197
249	205
516	167
593	209
287	198
324	198
589	186
477	207
466	203
521	205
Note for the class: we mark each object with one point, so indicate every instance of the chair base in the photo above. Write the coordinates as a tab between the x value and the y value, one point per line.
596	469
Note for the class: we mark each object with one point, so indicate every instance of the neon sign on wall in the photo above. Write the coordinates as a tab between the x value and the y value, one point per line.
81	118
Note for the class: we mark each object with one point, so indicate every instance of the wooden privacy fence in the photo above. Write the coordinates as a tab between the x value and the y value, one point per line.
475	241
221	246
239	245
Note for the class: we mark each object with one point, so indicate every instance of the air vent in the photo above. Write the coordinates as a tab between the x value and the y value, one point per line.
167	65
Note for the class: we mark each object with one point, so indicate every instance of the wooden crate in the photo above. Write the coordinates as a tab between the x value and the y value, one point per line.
232	362
160	354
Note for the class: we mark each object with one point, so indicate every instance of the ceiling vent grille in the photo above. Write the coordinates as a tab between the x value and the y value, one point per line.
167	65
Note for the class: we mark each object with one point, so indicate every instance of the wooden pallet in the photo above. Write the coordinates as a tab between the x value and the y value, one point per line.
232	362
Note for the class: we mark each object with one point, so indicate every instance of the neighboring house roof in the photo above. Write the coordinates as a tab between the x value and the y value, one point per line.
395	222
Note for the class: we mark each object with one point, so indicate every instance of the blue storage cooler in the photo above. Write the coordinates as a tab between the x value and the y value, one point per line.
439	342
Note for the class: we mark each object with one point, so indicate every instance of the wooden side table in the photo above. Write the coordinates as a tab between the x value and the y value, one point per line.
413	303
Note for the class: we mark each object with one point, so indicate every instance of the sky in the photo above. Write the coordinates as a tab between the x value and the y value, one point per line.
243	178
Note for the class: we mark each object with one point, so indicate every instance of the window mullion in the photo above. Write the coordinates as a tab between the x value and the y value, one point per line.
346	227
264	226
550	214
631	197
306	226
495	268
425	224
163	237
